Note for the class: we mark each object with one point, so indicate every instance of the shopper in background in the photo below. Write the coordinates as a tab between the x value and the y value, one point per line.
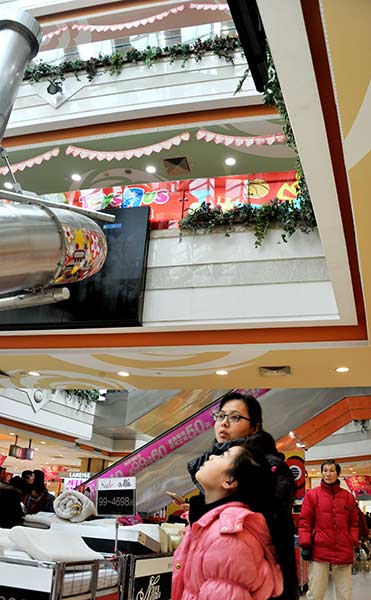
328	532
39	499
19	484
227	551
28	477
239	417
11	513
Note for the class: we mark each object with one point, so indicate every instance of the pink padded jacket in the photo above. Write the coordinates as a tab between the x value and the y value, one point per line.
226	555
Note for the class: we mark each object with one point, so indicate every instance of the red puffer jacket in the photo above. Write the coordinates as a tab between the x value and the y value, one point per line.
329	524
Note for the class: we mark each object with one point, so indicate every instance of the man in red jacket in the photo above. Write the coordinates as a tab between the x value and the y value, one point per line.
328	532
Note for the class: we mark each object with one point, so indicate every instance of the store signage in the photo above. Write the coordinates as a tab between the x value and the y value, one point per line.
10	593
153	587
76	475
116	496
168	200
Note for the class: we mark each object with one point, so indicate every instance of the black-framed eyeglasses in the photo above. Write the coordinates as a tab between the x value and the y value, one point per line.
234	418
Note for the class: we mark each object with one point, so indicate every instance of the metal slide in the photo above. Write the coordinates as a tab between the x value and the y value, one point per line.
40	245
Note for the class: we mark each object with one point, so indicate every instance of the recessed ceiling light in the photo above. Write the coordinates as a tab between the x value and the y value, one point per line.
221	372
230	161
76	177
34	373
42	442
151	169
123	373
8	185
11	433
342	369
36	449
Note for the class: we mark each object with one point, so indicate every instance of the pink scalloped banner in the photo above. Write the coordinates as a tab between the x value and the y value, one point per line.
139	22
49	36
212	7
132	24
128	154
31	162
238	141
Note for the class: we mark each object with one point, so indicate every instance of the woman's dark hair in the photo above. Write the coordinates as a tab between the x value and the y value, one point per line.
332	462
39	482
251	403
256	488
11	512
19	484
253	474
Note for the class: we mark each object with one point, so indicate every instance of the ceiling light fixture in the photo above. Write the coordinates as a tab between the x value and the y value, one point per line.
8	185
230	161
123	373
11	433
221	372
42	442
292	434
151	169
76	177
342	369
34	373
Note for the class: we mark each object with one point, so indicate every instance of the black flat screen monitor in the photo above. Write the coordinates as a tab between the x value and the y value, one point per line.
113	297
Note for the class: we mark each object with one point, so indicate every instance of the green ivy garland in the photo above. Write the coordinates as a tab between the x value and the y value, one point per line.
290	216
223	47
83	397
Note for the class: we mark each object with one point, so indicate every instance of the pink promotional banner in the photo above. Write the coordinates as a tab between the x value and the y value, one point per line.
163	446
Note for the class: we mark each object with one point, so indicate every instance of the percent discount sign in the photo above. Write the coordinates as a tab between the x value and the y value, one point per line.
116	496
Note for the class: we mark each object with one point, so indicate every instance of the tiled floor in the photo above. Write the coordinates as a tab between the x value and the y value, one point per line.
361	587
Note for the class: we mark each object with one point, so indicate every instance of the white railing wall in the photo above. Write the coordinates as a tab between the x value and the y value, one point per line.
164	88
227	282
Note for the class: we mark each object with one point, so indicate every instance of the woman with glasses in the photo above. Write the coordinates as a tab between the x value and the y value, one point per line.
239	418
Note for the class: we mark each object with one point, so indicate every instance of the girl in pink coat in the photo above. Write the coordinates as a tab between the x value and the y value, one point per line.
227	551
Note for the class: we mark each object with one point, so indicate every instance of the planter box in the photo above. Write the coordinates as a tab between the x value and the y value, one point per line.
139	91
225	281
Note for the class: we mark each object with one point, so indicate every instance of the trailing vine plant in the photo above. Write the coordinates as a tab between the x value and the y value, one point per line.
289	216
273	97
221	46
83	397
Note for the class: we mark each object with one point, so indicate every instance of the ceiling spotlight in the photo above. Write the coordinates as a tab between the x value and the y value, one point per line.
221	372
151	169
11	433
230	161
298	444
123	373
76	177
8	185
34	373
292	434
342	369
42	442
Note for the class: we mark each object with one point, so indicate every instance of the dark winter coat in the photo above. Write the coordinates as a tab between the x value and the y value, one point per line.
329	524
